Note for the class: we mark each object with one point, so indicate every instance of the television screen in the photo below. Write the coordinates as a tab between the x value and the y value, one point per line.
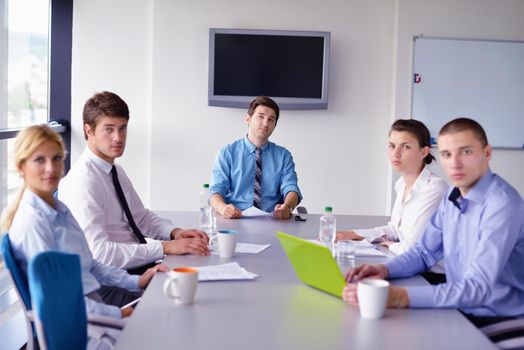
289	66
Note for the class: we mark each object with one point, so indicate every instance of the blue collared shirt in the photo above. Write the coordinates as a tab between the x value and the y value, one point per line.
234	174
37	227
481	238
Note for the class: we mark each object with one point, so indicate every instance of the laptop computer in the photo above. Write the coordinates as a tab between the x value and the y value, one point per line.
313	264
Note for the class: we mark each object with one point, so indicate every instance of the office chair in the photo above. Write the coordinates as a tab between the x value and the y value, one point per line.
56	291
507	334
55	286
22	290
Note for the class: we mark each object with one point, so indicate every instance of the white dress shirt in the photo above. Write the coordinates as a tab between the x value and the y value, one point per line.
38	228
89	193
410	218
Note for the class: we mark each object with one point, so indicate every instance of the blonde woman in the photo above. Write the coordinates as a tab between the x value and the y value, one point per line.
418	190
38	222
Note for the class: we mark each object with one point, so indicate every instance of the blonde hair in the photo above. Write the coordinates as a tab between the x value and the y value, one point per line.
26	143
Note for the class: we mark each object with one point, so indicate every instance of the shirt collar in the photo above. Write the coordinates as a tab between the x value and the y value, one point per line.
36	202
479	190
420	182
99	162
476	194
251	147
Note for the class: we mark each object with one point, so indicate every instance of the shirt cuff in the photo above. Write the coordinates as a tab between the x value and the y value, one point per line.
155	249
167	232
114	311
292	188
394	268
369	235
132	283
395	248
420	297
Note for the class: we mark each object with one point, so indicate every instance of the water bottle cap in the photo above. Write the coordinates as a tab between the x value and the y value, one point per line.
206	186
328	209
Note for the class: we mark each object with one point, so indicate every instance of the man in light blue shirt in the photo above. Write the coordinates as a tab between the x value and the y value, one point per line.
236	174
479	231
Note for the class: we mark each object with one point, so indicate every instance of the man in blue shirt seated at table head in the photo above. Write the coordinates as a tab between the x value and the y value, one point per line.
478	229
253	171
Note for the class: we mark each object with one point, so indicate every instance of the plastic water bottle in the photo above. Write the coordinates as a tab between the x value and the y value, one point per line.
206	220
328	229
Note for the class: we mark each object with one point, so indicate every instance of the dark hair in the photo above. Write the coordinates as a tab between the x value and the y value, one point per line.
266	102
463	124
417	129
104	104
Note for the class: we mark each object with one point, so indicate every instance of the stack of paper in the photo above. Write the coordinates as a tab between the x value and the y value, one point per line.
224	272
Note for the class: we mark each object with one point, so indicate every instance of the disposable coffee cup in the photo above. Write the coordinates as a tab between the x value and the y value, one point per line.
181	285
227	242
372	297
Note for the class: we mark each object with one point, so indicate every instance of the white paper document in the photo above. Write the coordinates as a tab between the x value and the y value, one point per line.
369	252
252	212
224	272
250	248
245	248
363	248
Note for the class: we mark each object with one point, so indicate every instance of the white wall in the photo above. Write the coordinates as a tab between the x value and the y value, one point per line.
337	164
154	54
112	51
472	19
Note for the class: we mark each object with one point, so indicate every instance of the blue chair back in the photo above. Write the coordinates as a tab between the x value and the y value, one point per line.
19	278
22	289
56	291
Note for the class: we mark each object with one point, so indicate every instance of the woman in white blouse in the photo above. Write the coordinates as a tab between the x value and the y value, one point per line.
418	190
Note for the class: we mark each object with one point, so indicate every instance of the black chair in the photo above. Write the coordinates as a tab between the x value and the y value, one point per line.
507	334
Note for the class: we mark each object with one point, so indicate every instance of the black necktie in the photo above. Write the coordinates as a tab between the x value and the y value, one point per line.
257	191
123	202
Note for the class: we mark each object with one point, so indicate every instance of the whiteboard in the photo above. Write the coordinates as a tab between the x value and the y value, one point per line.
478	79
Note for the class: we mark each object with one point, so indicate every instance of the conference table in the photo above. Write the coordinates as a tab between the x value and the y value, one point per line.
277	311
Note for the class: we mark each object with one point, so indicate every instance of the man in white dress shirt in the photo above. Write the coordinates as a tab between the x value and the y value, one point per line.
90	192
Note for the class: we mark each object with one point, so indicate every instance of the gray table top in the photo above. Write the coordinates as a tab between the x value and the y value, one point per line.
276	311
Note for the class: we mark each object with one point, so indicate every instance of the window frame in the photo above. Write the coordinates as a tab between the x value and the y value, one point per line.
59	87
59	75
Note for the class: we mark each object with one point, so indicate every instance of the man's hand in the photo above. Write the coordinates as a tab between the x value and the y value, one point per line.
144	280
230	212
282	211
197	246
178	233
397	296
367	271
347	236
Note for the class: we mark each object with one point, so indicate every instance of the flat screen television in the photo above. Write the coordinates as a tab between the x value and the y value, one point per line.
290	66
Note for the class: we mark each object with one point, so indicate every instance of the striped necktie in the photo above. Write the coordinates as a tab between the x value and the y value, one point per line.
257	191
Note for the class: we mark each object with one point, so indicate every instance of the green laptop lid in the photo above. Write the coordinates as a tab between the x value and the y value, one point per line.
313	264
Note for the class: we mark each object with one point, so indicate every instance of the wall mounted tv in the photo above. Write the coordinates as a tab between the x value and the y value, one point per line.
290	66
